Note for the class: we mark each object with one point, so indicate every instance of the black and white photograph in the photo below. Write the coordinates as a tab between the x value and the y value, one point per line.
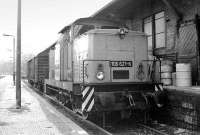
99	67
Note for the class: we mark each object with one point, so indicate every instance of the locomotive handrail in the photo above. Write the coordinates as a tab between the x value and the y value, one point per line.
155	60
92	60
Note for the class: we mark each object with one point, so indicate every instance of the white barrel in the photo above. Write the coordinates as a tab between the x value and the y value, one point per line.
166	81
166	74
166	68
183	74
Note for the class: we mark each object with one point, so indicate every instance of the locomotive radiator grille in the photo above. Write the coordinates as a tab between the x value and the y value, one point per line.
87	98
120	74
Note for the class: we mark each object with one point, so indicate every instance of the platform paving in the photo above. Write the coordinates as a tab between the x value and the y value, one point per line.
36	116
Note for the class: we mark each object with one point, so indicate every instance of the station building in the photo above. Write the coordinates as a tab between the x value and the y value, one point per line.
172	26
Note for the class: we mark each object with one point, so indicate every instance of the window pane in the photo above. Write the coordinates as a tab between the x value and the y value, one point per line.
160	40
149	41
148	28
159	15
160	25
148	19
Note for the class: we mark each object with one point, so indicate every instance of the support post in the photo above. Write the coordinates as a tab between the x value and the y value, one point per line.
18	64
153	34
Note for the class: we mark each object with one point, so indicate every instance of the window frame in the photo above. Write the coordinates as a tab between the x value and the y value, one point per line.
153	27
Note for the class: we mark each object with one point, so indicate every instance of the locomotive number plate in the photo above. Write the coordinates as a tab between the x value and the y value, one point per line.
121	63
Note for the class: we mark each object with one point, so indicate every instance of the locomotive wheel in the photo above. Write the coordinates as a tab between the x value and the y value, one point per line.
58	96
62	99
74	108
68	104
84	115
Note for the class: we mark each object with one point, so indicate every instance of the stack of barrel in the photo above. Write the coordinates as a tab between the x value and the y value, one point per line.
183	74
166	73
182	107
181	78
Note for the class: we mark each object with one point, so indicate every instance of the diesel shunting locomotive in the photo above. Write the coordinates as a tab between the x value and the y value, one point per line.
97	66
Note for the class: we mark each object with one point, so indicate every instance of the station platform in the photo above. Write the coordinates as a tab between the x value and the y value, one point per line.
190	90
183	107
36	116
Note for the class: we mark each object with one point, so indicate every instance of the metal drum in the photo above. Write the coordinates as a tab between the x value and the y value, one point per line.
166	74
183	74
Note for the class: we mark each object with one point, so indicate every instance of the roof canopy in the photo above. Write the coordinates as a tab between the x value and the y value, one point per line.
93	21
96	22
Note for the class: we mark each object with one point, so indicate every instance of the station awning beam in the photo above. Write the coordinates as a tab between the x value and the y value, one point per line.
173	9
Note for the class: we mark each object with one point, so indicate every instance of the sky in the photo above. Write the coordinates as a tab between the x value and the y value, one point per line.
41	22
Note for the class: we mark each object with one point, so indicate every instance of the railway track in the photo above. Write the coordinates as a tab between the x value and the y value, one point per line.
143	129
123	128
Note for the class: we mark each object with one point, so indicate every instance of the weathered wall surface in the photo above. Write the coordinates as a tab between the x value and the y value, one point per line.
188	9
182	39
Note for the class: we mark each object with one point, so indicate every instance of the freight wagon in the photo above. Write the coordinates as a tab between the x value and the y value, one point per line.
38	69
31	71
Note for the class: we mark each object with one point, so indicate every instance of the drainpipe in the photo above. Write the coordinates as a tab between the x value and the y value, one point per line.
197	23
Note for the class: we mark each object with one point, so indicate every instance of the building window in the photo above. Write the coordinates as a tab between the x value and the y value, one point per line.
154	27
148	31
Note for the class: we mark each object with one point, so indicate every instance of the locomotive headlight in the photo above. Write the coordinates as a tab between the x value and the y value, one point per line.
122	31
100	75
